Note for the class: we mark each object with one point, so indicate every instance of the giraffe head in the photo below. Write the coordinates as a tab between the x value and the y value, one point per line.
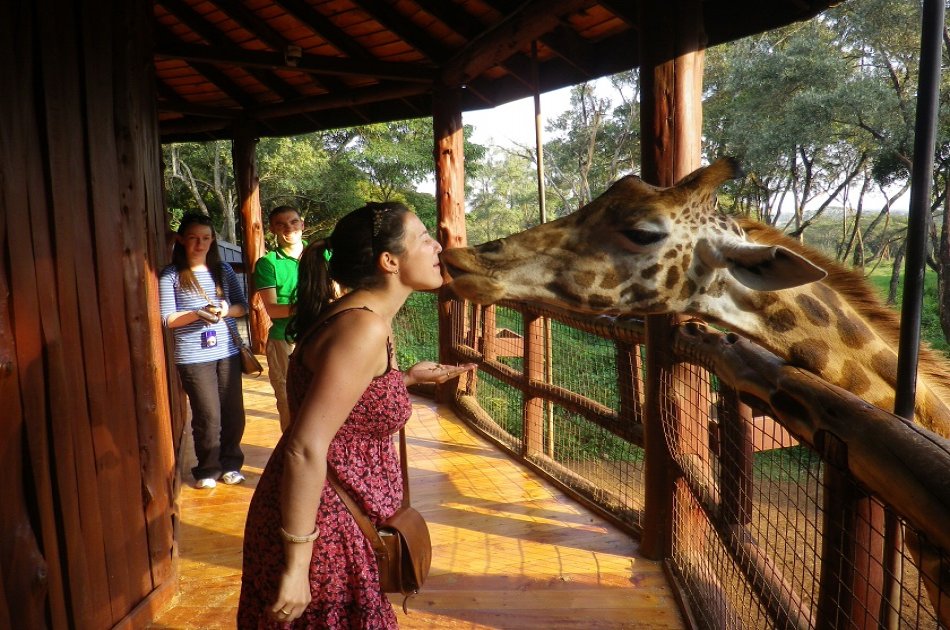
637	249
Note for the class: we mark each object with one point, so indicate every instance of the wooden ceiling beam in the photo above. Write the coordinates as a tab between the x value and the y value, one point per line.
572	48
252	23
625	10
463	23
562	40
321	25
216	38
352	99
171	101
333	66
453	16
510	36
218	78
260	29
404	28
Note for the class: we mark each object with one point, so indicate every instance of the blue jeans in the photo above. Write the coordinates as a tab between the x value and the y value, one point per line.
217	414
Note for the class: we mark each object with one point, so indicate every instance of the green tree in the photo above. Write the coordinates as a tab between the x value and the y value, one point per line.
200	177
594	143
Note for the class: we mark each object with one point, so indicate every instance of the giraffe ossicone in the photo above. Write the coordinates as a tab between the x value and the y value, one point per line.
640	249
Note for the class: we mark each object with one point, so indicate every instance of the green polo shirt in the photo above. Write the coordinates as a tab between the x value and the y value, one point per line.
277	270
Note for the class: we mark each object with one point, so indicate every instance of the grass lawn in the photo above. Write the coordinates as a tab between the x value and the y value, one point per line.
930	329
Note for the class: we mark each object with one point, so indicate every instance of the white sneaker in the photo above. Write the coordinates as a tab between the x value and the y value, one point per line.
204	484
232	477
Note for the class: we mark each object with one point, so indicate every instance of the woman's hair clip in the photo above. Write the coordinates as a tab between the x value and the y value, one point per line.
379	211
327	254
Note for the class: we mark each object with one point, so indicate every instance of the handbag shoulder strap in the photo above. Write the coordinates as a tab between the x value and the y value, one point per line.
359	515
366	526
404	465
233	330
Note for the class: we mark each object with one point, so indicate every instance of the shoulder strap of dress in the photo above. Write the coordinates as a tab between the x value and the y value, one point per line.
316	327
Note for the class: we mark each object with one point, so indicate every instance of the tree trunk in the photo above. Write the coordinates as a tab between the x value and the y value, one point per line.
896	274
943	267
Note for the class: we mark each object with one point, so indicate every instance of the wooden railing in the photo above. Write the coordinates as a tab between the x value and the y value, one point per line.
778	500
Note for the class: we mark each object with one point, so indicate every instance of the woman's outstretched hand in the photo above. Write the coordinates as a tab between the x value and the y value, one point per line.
431	372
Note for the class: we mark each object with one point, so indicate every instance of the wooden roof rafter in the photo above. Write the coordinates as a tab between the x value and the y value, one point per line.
461	23
367	61
208	32
404	28
274	40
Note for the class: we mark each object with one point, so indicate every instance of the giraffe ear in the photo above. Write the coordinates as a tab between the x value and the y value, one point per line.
771	267
761	267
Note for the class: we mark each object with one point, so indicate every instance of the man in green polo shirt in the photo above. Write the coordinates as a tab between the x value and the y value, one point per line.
275	277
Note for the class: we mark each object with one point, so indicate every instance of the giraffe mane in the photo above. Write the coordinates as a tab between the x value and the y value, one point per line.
854	288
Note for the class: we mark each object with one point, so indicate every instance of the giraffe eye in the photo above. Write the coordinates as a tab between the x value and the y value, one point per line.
644	237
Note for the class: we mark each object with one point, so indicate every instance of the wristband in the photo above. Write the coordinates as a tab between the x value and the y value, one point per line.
312	536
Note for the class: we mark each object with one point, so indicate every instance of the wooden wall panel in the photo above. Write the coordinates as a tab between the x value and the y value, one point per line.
86	532
24	193
75	404
22	566
140	191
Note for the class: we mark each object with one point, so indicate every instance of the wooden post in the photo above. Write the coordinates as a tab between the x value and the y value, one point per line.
672	54
243	153
629	367
735	460
533	429
450	203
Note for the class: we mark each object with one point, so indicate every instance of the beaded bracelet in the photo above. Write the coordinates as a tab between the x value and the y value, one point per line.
300	539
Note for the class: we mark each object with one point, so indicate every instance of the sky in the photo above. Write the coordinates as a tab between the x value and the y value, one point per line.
513	123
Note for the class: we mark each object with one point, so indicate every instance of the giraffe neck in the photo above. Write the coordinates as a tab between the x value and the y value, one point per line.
820	329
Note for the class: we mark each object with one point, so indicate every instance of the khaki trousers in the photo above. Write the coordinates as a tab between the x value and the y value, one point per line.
278	357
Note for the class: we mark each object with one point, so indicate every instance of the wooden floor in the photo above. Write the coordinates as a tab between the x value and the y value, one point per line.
509	550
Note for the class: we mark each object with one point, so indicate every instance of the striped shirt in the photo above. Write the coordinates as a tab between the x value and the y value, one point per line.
188	339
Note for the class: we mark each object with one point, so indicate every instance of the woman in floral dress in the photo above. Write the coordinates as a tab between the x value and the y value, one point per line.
306	562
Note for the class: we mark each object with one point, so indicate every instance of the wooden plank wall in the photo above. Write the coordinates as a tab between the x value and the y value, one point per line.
86	532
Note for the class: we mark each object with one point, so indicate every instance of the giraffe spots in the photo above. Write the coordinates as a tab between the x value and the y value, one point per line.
610	280
884	363
671	253
636	293
585	278
854	332
811	355
853	377
782	320
565	291
650	271
547	241
672	277
813	310
827	295
599	301
689	287
718	288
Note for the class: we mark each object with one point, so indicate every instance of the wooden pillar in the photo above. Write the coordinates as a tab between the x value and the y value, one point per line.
243	152
450	204
533	370
86	527
672	45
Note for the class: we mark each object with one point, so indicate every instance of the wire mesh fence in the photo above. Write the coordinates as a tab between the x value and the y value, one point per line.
768	529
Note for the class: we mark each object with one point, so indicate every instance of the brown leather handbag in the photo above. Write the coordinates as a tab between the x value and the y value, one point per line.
402	545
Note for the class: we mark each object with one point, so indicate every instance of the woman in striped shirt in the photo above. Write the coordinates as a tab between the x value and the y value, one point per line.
200	295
